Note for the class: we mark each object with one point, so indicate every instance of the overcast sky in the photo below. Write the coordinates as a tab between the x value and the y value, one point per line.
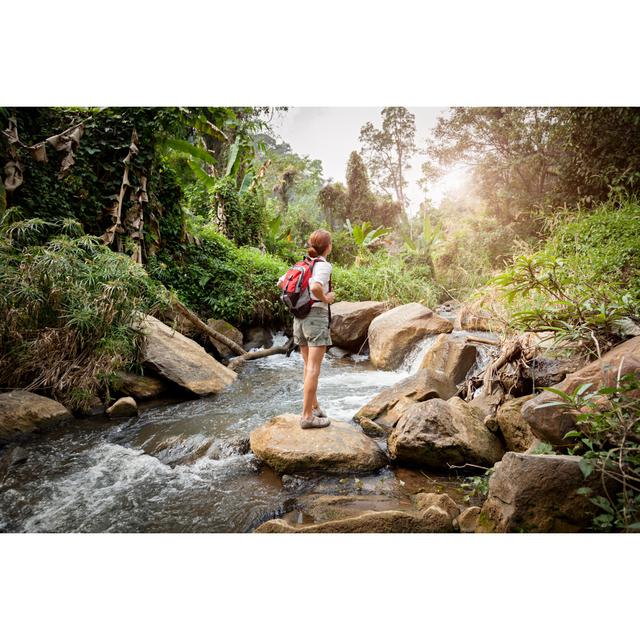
330	134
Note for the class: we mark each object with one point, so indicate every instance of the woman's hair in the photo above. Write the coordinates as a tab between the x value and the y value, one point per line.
318	242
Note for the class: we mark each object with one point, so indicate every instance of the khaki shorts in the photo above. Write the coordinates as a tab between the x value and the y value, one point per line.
313	331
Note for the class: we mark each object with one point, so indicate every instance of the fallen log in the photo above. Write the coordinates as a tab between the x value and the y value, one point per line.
216	335
234	363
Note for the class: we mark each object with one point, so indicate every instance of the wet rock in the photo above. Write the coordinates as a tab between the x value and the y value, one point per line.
372	429
257	338
183	361
537	494
227	330
393	333
471	318
11	457
451	357
350	323
467	521
22	412
137	386
439	509
237	446
552	423
123	408
337	352
94	407
388	406
286	447
329	507
437	434
514	428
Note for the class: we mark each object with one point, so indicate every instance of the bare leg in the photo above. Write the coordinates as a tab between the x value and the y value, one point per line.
305	355
312	373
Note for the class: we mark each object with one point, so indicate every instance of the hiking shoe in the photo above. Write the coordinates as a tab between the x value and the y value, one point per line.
319	413
314	423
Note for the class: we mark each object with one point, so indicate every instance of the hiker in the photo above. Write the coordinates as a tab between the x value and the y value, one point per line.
312	316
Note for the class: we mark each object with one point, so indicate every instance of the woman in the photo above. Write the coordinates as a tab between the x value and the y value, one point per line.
312	333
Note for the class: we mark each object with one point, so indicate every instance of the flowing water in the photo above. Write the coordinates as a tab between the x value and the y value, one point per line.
183	467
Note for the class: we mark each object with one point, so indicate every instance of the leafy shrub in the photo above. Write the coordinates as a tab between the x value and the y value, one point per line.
583	283
608	438
66	314
386	278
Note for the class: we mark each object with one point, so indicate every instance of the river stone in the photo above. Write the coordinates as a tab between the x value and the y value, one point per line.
22	412
429	521
123	408
137	386
450	356
339	448
227	330
436	434
467	521
552	423
471	318
387	407
258	338
537	494
393	333
514	428
350	322
183	361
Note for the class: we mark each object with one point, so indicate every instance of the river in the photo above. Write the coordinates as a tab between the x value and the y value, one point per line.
181	467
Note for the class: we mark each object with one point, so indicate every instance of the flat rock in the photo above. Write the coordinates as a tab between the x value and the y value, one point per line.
387	407
350	322
437	434
339	448
552	423
183	361
22	412
537	493
393	333
472	318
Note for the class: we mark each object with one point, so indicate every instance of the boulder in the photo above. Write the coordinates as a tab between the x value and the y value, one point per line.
439	509
123	408
472	318
514	428
393	333
437	433
350	323
537	494
386	408
227	330
183	361
467	521
552	423
339	448
137	386
450	356
257	338
22	412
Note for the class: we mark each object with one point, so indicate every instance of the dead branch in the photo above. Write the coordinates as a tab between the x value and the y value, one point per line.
216	335
234	363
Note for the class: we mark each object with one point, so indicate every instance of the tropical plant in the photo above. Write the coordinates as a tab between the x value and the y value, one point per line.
607	436
364	235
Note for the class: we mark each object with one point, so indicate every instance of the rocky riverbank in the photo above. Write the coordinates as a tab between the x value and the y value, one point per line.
439	421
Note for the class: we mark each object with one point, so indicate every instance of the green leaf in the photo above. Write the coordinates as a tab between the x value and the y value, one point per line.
190	149
233	155
583	387
572	434
586	466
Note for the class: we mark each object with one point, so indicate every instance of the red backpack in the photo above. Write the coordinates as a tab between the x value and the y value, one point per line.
296	294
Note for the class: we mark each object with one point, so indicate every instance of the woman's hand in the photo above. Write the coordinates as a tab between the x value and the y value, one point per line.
330	297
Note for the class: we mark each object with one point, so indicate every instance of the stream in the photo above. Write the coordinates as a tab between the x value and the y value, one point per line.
183	467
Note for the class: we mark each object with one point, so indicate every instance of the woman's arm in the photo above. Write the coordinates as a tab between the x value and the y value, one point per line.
318	292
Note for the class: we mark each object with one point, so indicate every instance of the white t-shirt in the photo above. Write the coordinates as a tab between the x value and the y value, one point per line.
321	273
